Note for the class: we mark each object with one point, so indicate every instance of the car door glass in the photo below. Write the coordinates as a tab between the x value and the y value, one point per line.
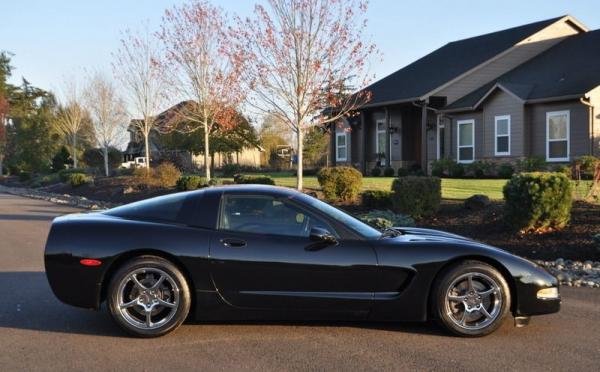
266	215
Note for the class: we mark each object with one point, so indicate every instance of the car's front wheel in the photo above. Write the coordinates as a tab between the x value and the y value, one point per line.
471	299
148	296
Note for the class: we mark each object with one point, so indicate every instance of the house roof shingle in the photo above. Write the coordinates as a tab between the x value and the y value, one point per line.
570	68
442	65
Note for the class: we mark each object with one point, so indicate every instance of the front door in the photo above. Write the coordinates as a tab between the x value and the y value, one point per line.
262	258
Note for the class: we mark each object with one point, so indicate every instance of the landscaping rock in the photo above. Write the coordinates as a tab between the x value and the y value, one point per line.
477	202
574	273
63	199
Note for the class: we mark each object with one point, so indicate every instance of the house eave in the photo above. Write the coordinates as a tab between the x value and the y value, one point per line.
555	99
387	103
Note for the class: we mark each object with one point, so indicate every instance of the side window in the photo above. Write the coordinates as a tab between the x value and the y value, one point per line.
266	215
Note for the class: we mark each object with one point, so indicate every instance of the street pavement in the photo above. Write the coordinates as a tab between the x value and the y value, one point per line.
37	332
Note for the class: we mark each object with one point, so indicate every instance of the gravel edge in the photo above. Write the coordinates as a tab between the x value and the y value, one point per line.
62	199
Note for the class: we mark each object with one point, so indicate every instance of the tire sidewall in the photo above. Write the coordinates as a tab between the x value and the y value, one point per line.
157	263
443	286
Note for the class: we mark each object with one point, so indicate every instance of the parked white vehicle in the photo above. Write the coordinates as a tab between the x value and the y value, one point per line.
140	161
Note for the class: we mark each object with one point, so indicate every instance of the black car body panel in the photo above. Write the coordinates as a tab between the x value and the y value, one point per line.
249	275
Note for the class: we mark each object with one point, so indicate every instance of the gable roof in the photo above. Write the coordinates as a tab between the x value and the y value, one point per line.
570	69
448	62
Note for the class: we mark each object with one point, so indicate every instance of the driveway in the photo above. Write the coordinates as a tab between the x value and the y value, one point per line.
37	332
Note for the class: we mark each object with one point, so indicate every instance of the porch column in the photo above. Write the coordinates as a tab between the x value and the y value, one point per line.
424	137
364	131
388	155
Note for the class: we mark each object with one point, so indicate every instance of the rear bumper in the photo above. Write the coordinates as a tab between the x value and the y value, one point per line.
73	283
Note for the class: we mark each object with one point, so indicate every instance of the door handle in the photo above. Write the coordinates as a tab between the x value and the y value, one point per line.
233	243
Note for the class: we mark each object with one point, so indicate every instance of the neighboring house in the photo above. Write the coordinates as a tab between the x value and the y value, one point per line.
532	90
249	156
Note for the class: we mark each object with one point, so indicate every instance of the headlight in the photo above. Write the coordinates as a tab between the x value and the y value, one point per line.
548	293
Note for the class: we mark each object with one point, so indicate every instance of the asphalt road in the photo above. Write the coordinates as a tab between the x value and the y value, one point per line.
37	332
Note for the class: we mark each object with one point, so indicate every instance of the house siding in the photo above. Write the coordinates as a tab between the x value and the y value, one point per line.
498	104
579	141
520	53
594	97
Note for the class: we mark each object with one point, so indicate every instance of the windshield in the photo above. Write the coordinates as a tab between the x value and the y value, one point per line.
338	215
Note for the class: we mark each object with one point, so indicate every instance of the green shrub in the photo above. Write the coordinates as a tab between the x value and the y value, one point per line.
376	172
506	170
230	170
49	179
587	165
377	199
65	174
258	180
537	201
441	167
402	172
383	219
79	179
417	196
562	168
481	169
166	175
214	182
389	172
25	176
340	183
185	183
531	164
457	170
61	159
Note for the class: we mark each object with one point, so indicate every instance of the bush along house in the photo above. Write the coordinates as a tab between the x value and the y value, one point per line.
532	90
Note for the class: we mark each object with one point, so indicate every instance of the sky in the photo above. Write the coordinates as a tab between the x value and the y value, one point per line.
56	39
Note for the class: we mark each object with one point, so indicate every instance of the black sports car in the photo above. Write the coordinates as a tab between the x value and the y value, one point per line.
262	252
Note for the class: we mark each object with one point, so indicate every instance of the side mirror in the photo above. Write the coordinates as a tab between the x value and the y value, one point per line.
318	234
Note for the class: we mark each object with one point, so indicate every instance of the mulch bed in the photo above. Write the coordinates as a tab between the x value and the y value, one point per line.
574	242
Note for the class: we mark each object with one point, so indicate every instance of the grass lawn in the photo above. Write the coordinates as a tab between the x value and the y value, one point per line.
452	188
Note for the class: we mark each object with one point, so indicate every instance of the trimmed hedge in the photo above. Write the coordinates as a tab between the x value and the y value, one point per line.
506	170
538	201
377	199
185	183
417	196
79	179
376	172
383	219
258	180
340	183
389	172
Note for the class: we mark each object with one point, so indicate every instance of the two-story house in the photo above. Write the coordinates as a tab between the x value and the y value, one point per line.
532	90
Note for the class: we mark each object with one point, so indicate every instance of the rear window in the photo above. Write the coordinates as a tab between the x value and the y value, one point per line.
167	208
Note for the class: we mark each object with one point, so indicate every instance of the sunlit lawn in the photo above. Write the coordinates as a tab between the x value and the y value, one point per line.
452	188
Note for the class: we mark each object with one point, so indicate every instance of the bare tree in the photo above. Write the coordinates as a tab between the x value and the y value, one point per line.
70	117
108	112
300	56
137	66
194	36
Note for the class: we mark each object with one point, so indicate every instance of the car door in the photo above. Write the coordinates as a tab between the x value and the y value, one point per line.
262	258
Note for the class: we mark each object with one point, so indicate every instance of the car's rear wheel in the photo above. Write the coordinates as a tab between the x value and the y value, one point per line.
148	296
471	299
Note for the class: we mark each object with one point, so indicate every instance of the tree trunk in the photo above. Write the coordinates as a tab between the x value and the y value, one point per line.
74	151
299	157
147	149
1	165
105	153
206	152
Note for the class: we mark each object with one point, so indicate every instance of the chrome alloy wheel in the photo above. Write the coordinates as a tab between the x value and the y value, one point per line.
473	301
148	298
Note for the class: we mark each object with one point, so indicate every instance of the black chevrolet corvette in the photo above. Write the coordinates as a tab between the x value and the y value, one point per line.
261	252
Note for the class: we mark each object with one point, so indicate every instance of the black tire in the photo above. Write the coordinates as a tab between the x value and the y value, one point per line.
131	304
466	309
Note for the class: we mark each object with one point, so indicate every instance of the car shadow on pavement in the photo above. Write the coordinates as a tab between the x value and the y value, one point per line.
28	303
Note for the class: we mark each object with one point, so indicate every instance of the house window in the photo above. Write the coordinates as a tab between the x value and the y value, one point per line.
466	141
557	135
502	135
380	140
341	148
